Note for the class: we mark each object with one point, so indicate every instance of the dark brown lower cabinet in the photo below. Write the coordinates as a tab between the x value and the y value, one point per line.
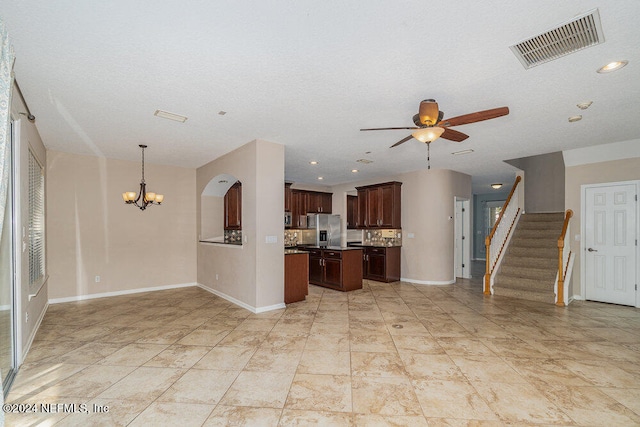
380	263
335	268
296	278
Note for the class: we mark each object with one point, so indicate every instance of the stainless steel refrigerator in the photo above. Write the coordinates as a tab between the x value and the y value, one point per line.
327	229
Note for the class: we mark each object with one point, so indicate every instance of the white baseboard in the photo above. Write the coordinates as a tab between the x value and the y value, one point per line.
118	293
27	347
428	282
243	304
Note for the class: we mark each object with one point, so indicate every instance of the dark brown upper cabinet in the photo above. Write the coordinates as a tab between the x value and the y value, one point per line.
233	207
379	205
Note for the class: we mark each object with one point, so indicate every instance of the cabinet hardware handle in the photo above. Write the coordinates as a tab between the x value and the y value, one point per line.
592	250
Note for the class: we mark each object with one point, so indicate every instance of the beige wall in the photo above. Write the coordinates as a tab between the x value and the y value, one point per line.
211	217
253	274
595	173
427	203
92	232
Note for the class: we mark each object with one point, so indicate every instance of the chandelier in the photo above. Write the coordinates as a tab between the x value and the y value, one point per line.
142	199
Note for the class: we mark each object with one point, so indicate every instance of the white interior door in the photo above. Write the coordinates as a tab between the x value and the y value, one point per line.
610	243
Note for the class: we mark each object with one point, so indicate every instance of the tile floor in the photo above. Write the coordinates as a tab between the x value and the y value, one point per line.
389	354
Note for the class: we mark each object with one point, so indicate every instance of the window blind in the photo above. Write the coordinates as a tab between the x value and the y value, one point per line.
36	222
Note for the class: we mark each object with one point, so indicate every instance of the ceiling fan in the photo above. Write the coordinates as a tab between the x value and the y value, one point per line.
429	123
429	116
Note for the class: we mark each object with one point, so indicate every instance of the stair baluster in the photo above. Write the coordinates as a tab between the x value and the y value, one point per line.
497	239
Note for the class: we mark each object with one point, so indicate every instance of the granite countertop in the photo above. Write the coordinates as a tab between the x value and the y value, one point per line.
294	251
377	245
220	242
333	248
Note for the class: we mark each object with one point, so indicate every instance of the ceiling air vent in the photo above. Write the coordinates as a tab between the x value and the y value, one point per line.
579	33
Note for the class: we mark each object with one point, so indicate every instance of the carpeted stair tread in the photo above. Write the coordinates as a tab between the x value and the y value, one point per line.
530	263
523	251
523	294
541	217
514	282
542	274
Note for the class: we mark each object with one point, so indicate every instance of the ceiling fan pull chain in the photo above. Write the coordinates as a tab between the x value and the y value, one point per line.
428	156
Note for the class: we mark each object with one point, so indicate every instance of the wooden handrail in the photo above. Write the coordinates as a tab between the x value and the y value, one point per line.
504	208
561	267
487	240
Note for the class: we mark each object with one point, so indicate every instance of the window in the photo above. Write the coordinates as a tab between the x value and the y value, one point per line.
36	223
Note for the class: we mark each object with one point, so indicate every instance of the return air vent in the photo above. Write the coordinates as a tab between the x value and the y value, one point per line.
579	33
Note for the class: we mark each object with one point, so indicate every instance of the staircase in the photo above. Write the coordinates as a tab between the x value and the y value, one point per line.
530	265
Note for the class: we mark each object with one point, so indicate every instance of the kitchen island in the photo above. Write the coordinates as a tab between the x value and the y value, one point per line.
334	267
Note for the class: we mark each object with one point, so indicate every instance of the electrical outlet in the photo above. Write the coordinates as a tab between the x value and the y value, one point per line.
26	317
97	279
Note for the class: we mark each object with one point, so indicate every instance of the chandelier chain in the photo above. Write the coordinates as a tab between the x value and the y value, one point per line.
142	164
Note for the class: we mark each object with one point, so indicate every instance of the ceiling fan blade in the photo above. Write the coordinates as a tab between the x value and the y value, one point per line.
453	135
391	128
478	116
403	140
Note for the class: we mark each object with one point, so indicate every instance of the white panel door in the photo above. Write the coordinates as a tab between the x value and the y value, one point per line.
610	243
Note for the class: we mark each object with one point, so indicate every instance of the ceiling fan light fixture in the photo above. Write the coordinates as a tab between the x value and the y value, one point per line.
428	112
496	186
428	134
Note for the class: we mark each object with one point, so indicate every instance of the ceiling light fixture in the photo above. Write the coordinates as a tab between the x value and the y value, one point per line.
612	66
428	134
320	177
354	170
574	119
584	105
170	116
313	162
143	197
496	186
364	161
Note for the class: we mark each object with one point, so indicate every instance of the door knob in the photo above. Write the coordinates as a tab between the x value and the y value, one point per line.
592	250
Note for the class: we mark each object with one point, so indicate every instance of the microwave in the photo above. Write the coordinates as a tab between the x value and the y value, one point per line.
287	219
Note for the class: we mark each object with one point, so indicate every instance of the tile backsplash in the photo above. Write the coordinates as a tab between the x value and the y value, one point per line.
382	237
233	237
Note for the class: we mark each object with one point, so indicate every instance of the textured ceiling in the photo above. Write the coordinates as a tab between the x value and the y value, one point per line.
310	74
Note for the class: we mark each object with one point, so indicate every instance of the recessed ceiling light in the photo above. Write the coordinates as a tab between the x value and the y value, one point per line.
313	162
612	66
496	185
223	181
457	153
574	119
365	161
170	116
320	177
367	152
354	170
222	113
